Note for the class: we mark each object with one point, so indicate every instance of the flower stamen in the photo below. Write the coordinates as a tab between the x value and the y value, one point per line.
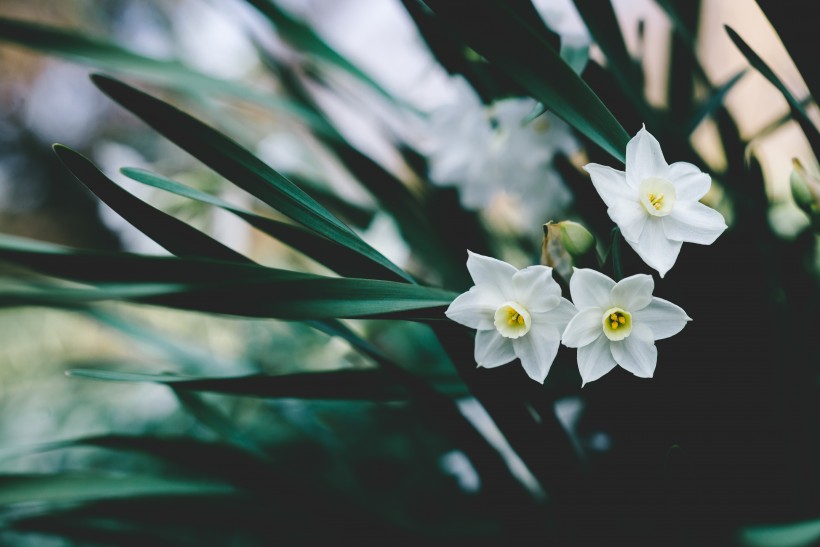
617	324
512	320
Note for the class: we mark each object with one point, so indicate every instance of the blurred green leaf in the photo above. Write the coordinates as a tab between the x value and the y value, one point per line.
62	488
602	23
713	102
239	166
172	234
495	31
368	385
796	31
324	251
797	109
171	73
304	40
801	534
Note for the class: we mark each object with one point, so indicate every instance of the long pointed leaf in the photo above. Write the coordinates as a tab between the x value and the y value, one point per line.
324	251
239	166
172	234
490	28
367	385
82	487
797	109
171	73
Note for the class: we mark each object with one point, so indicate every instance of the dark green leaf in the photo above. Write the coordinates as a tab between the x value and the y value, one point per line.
368	385
714	101
82	48
169	232
61	488
516	47
236	164
797	109
324	251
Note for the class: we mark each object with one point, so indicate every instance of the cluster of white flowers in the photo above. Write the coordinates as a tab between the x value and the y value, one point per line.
486	150
521	314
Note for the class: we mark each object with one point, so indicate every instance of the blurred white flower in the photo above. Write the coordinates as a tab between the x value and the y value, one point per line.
618	323
488	150
518	313
656	204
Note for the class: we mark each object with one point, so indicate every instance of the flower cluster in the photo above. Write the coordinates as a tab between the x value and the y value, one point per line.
521	313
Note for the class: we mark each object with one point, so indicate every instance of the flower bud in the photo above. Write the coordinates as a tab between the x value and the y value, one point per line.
563	243
805	187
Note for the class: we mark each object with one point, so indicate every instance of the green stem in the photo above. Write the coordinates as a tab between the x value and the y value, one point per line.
617	267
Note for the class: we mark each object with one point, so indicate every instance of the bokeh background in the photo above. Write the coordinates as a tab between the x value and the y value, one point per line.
723	440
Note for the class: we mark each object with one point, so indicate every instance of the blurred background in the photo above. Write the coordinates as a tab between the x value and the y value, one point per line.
726	437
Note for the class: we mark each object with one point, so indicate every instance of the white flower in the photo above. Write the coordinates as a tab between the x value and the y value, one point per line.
618	323
518	313
655	204
485	151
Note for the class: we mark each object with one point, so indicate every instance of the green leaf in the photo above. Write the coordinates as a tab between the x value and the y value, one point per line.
602	23
364	384
62	488
302	38
800	534
798	111
239	166
713	102
172	234
171	73
119	267
217	287
522	53
324	251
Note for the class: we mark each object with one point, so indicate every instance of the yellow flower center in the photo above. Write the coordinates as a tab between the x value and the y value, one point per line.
512	320
617	324
657	196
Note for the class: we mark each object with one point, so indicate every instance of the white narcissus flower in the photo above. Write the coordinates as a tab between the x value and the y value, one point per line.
618	323
518	313
656	204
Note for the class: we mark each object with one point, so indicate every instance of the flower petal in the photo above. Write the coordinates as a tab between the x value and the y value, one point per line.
492	349
535	289
559	317
537	351
610	183
694	222
630	216
664	318
490	271
690	183
590	289
655	248
636	354
644	158
633	293
595	360
584	328
476	307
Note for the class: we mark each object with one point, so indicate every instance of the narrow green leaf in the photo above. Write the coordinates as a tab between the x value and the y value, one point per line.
367	385
713	102
516	48
324	251
85	49
602	23
798	112
62	488
118	267
799	534
218	287
302	38
239	166
172	234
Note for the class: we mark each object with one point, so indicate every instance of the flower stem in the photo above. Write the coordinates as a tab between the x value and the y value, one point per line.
617	267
